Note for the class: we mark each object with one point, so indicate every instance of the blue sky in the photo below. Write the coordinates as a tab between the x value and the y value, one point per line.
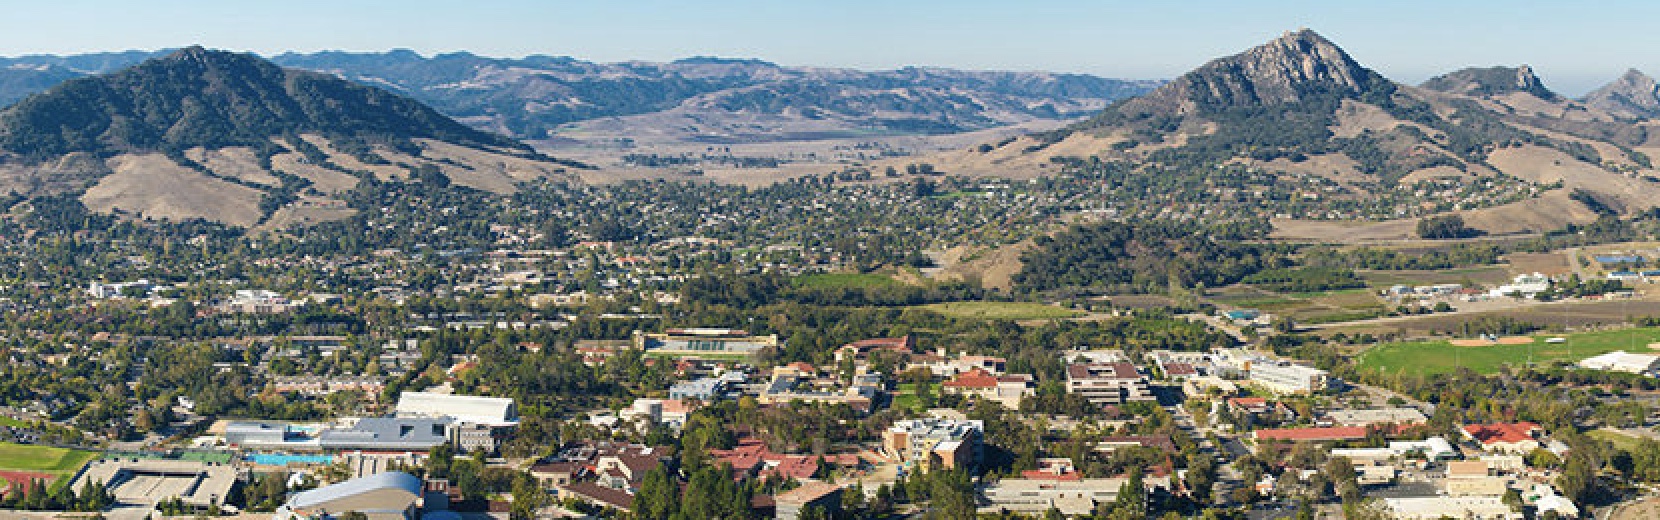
1574	46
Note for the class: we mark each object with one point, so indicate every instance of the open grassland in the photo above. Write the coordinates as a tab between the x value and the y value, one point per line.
1312	307
1440	356
25	457
845	281
1001	310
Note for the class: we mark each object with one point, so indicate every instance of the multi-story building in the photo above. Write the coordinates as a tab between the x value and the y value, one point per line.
923	443
703	341
1290	379
1107	383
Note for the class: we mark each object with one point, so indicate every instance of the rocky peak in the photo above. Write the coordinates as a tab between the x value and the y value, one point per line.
1288	69
1634	94
1491	81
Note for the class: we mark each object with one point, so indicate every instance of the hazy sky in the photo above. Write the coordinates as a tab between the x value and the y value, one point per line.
1574	46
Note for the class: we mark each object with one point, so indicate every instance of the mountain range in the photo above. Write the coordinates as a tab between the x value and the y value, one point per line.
1299	104
237	139
243	140
711	100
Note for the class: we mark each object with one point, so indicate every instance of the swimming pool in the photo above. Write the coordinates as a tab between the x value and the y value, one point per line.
270	459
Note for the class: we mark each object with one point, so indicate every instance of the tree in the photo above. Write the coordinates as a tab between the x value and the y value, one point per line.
1132	499
658	497
1444	227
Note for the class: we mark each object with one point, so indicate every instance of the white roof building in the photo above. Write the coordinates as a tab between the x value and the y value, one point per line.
1622	361
492	411
1437	507
382	496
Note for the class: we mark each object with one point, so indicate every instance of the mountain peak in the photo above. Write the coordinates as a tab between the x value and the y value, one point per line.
196	97
1297	65
1475	81
1633	94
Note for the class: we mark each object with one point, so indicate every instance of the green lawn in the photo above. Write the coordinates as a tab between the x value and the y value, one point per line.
24	457
1620	440
8	421
1001	310
1437	357
844	281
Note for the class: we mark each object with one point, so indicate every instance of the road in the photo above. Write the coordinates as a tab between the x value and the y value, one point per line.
1573	262
1493	305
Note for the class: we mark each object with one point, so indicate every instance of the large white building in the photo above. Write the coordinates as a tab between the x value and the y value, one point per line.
383	496
1622	361
1287	378
1438	507
1525	285
472	409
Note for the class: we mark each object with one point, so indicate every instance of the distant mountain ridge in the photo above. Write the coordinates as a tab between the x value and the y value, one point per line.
734	100
1633	95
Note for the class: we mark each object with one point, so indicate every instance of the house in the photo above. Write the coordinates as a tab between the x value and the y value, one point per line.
1007	390
607	473
861	350
1107	383
1518	438
752	458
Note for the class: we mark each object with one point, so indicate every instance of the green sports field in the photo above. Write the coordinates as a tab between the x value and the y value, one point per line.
1439	357
24	457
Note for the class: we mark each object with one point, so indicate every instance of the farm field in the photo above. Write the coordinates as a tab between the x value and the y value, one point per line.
1488	275
25	457
1001	310
1440	356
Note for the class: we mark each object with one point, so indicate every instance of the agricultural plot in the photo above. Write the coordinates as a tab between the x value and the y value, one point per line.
1001	310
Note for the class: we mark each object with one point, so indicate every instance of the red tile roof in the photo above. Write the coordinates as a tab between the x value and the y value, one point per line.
1311	434
1502	432
975	378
